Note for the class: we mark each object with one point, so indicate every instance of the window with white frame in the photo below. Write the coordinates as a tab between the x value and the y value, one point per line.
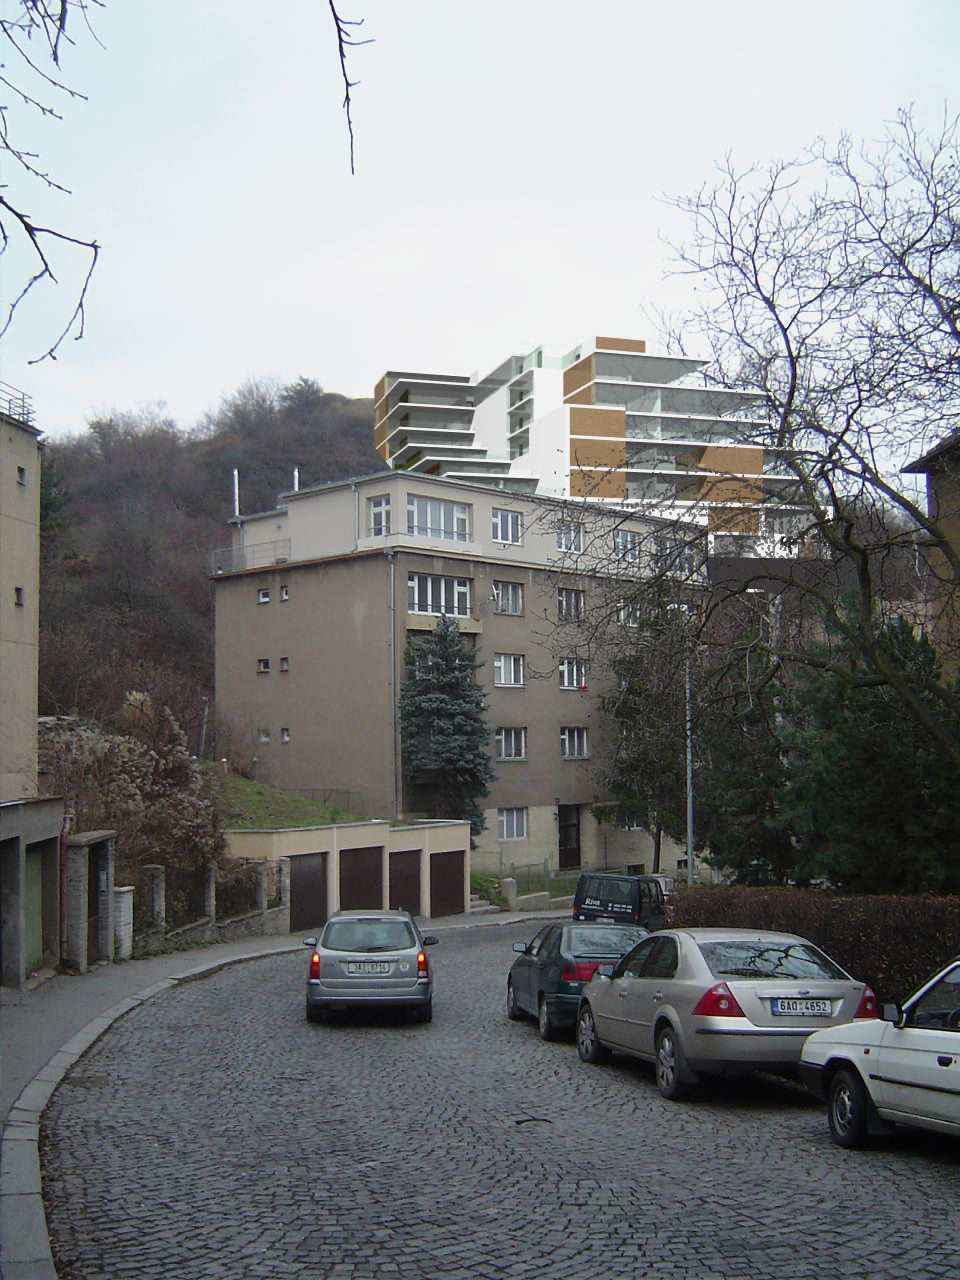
264	735
573	673
379	509
571	604
508	668
263	666
507	526
511	744
626	544
431	593
438	518
628	613
284	663
284	735
511	824
573	743
508	597
284	592
263	595
569	537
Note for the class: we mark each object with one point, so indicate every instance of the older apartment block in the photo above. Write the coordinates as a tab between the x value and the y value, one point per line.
605	420
314	604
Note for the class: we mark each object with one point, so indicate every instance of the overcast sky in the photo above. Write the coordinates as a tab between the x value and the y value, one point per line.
512	158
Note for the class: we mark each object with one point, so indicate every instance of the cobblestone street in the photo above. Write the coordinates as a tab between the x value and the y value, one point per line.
214	1133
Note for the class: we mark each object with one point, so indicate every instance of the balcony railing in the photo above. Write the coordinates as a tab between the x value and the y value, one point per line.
258	556
16	404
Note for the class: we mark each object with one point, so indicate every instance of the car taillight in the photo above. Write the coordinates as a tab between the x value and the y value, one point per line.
867	1007
718	1002
315	965
422	971
579	971
636	917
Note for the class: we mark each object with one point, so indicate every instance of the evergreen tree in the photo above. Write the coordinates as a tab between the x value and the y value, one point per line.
444	734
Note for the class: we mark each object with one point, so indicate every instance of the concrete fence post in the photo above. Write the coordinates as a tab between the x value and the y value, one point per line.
283	890
261	872
210	891
153	895
123	922
508	887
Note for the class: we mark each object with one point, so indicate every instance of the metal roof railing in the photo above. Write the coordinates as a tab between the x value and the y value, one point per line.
16	404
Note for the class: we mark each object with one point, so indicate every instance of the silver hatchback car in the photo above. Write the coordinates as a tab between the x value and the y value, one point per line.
716	1001
369	958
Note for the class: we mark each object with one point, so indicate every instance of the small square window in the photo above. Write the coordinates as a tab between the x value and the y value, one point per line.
284	664
284	735
284	593
263	595
263	665
264	735
18	597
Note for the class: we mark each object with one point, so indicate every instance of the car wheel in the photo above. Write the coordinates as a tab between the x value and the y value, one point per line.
315	1012
545	1023
670	1065
589	1045
425	1012
513	1009
847	1109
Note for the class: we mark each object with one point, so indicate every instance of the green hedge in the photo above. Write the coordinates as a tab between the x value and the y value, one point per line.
892	942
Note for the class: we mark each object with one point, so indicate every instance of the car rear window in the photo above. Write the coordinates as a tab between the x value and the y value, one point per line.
611	890
367	935
740	959
603	940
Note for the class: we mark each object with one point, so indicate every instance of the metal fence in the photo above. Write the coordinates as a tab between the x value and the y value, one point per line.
16	404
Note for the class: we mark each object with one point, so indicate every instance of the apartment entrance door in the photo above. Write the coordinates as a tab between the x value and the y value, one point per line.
568	825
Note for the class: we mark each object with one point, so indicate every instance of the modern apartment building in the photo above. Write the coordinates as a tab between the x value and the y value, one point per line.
605	420
30	826
314	604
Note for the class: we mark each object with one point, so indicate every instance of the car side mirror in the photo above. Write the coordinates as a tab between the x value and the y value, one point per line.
309	942
606	970
521	947
430	940
891	1013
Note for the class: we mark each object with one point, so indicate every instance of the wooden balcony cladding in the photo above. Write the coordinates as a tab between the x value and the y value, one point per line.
602	454
736	490
622	344
597	484
598	422
381	389
733	460
577	376
733	520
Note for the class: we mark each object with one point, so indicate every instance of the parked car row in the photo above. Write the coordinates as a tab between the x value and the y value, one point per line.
715	1002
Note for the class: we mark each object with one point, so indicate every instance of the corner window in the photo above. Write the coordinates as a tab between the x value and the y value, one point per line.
263	666
506	526
379	513
573	743
511	824
508	668
438	518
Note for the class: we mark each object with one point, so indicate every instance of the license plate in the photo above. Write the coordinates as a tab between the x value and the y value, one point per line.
801	1008
368	966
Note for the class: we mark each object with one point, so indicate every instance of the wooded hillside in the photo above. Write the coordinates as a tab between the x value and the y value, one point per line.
131	510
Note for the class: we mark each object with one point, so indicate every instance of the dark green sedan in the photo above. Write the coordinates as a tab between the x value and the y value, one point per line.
547	975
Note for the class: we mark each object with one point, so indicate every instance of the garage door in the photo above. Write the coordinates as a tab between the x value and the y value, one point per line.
361	886
446	883
308	891
405	881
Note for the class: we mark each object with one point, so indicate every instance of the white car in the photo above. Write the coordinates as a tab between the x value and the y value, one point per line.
901	1069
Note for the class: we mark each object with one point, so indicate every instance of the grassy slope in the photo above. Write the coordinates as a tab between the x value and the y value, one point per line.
247	806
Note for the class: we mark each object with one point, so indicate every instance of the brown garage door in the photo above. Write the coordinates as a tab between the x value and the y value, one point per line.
308	891
405	881
446	883
360	883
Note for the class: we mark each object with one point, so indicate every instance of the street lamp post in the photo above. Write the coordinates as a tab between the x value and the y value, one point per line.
689	716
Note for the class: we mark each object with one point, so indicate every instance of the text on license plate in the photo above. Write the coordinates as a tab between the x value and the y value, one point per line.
368	966
801	1008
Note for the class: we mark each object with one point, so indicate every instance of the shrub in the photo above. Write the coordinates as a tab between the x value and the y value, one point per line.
892	942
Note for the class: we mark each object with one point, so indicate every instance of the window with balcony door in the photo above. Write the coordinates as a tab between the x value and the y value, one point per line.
431	593
438	518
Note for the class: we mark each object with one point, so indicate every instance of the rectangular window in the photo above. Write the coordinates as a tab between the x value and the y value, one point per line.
511	744
18	597
507	526
438	518
508	597
284	593
569	537
264	735
430	593
284	664
571	604
628	613
573	743
21	475
263	595
284	735
508	668
626	544
379	509
263	665
511	824
573	673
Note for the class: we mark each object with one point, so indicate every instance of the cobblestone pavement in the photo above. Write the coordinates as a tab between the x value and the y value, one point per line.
214	1133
